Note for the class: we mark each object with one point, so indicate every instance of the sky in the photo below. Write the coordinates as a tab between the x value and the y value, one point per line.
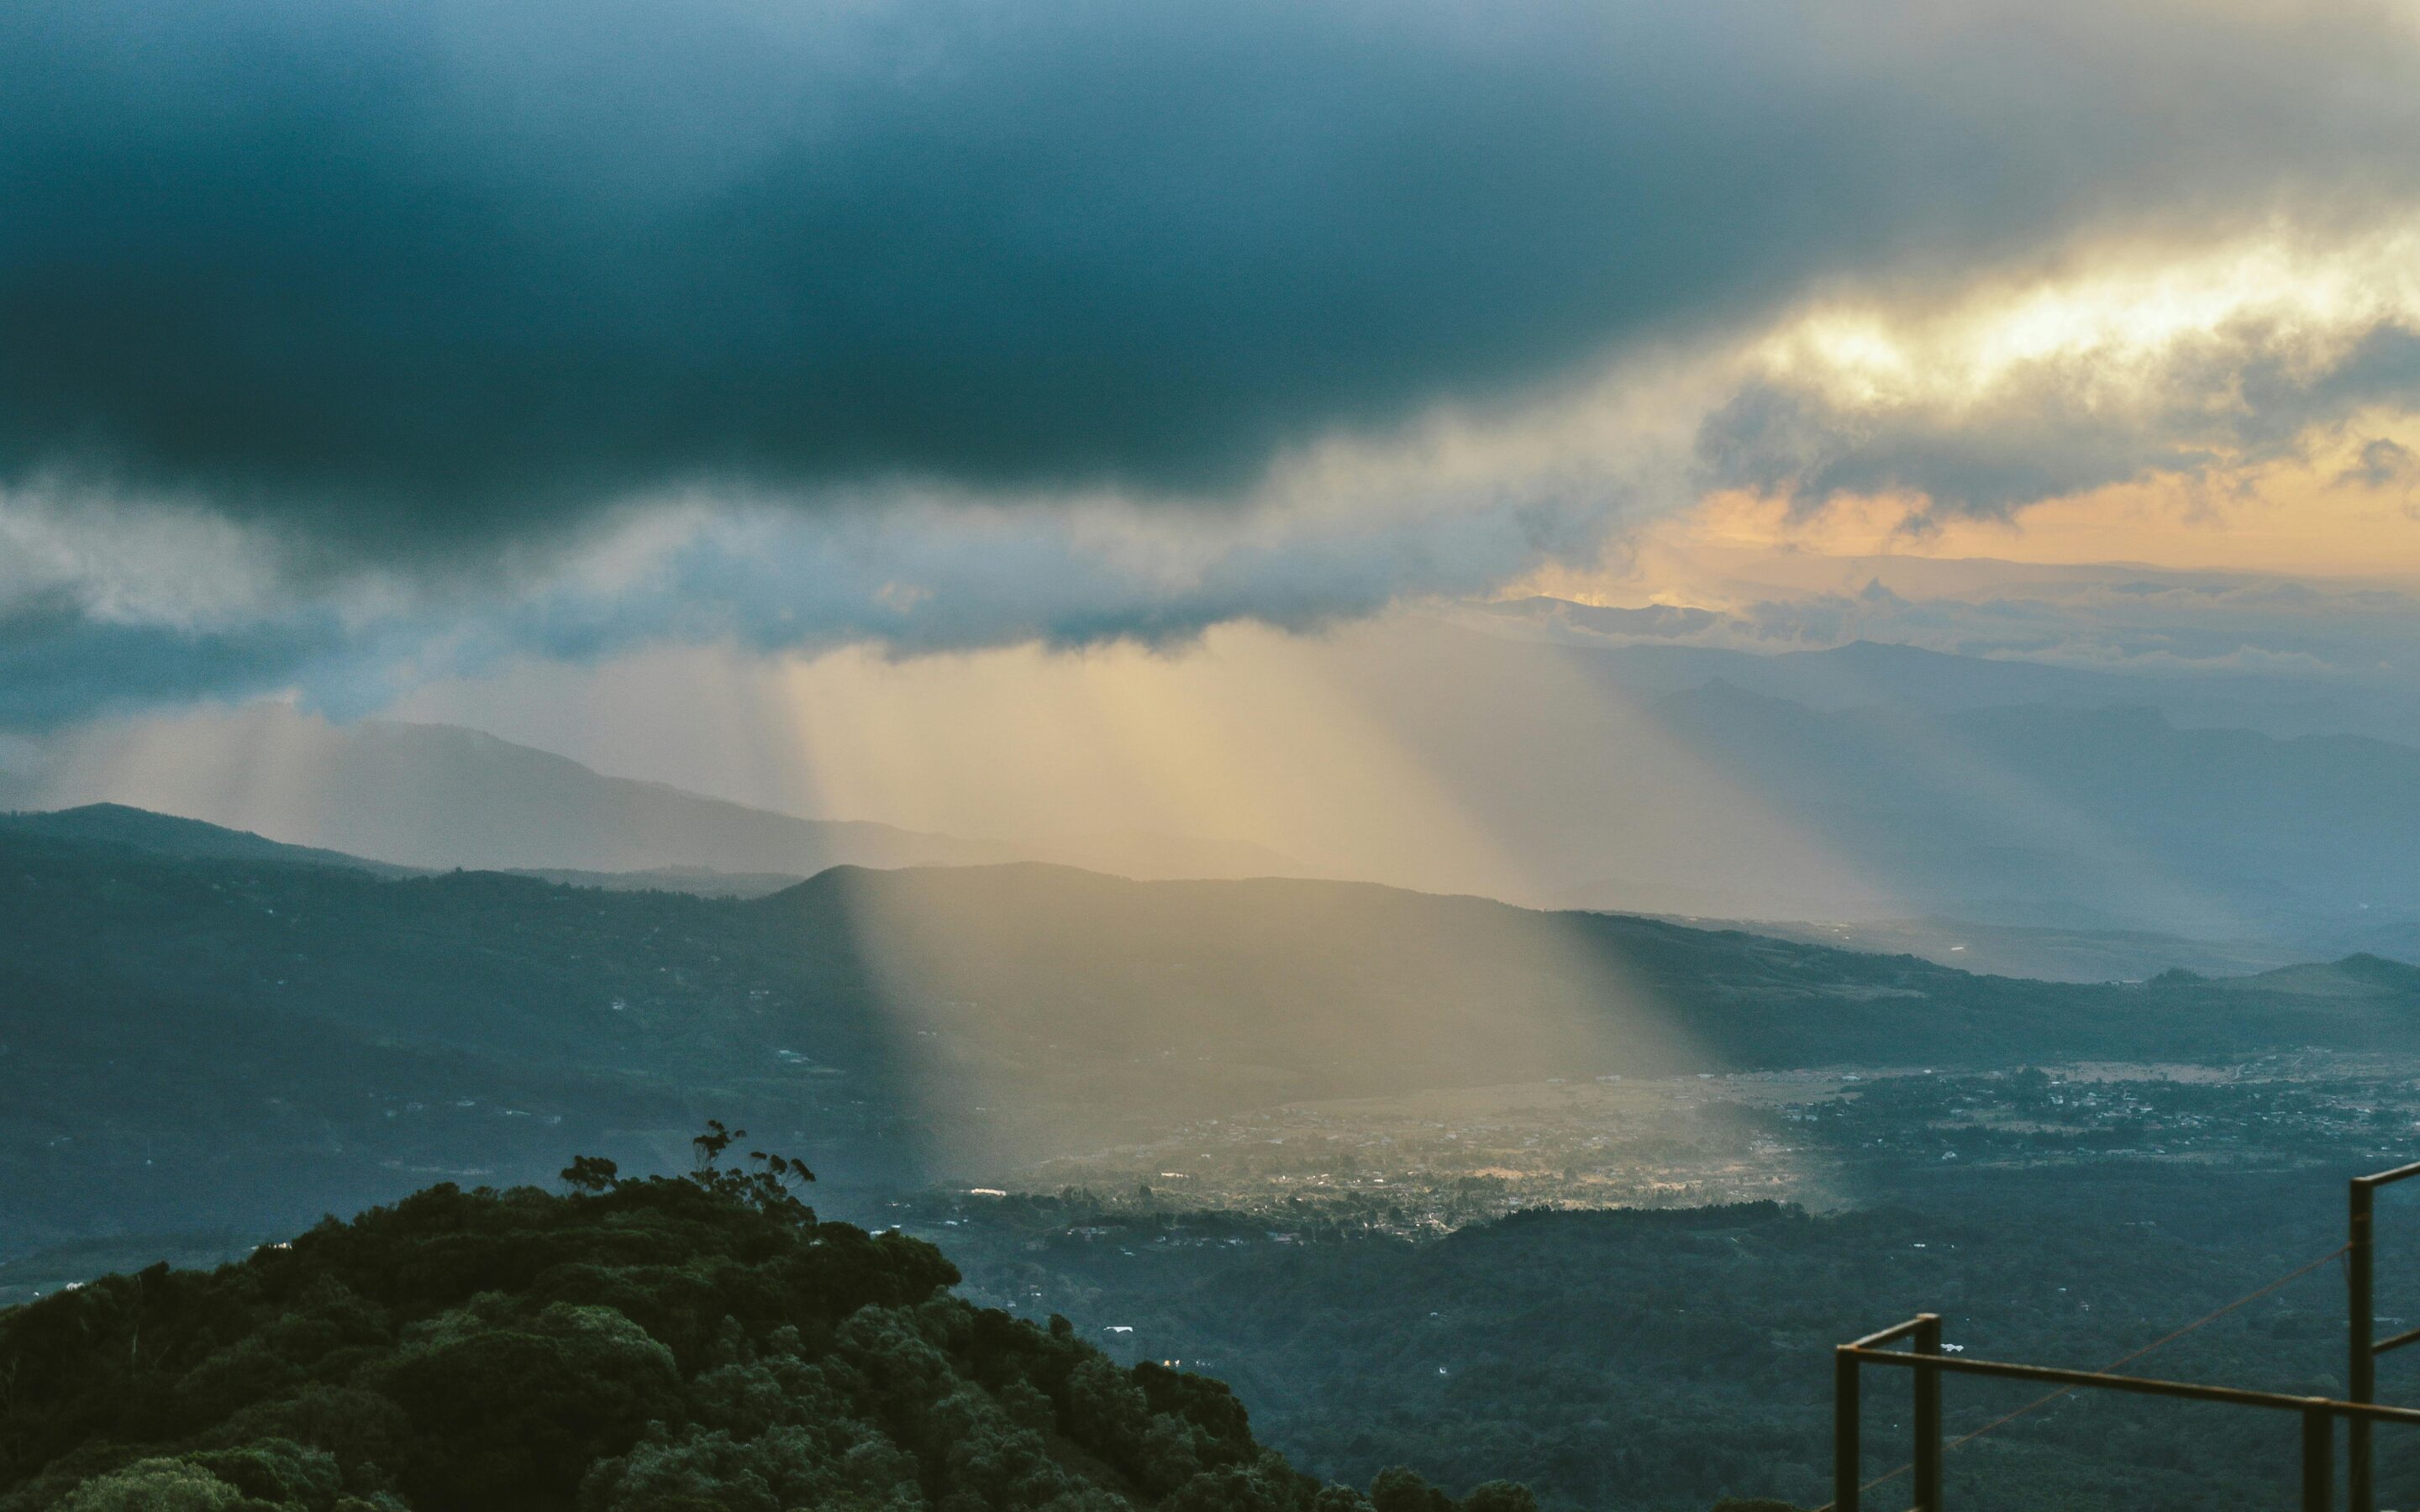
900	361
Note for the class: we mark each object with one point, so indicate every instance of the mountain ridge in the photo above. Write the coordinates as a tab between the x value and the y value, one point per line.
120	824
438	797
250	1042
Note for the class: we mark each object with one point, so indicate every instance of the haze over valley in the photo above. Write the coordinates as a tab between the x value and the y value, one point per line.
2081	825
922	756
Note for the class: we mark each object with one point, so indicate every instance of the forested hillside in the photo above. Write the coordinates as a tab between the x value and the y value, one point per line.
664	1344
1662	1361
217	1043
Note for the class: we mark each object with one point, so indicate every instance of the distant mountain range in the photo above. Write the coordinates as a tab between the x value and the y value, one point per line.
1863	786
1892	783
1992	949
437	797
2037	815
2047	953
1862	673
238	1039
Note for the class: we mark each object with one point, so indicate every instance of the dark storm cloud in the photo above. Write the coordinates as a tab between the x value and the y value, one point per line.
915	581
2235	398
406	275
59	662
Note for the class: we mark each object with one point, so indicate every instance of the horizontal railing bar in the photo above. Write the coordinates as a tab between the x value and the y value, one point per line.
2410	1336
1890	1334
2400	1173
2143	1385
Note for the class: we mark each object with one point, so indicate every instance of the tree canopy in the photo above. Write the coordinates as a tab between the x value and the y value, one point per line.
649	1345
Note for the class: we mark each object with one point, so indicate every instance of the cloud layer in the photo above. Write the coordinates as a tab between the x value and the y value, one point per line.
402	277
2218	402
915	578
346	344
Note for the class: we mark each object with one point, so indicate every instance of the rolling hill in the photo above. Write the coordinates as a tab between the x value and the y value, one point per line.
115	823
217	1042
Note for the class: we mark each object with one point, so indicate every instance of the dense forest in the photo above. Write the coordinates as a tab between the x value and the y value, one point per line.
654	1345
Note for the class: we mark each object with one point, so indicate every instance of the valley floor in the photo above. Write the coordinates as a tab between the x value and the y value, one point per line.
1823	1139
1625	1291
1434	1280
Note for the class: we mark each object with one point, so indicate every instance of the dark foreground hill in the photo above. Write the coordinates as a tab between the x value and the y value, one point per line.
192	1043
669	1345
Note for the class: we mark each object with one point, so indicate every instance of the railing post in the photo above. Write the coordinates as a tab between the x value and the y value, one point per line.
2362	1376
2318	1459
1844	1430
1928	1417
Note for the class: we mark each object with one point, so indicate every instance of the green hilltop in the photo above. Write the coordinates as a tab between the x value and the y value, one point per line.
654	1345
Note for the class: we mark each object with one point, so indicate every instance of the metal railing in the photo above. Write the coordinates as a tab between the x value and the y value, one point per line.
2319	1414
2362	1326
1925	1359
